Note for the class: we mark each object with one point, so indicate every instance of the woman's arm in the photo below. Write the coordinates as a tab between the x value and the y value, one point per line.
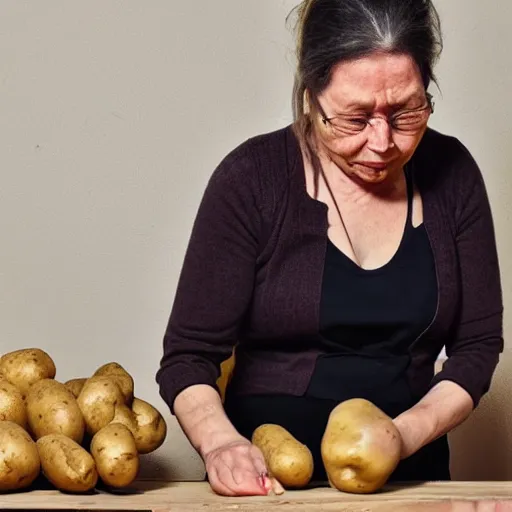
216	280
213	294
477	342
442	409
234	466
201	415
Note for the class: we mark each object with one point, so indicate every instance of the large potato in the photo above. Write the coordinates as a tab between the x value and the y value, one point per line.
288	460
98	400
66	464
19	459
360	447
12	405
121	376
26	366
75	386
146	424
52	409
115	454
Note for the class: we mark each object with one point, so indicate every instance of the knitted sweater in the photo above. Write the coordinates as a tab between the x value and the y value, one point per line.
252	274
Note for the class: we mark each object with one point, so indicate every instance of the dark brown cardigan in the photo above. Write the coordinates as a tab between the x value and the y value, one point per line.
252	274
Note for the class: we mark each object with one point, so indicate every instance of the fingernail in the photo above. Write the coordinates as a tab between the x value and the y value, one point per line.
265	482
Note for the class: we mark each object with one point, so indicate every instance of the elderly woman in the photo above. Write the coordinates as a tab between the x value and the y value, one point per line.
339	255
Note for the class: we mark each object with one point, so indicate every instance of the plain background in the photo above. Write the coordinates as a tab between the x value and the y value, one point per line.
114	114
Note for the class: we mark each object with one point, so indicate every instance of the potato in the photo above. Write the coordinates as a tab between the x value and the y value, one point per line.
12	405
98	400
227	368
19	458
146	424
288	460
26	366
121	376
360	447
152	429
66	464
52	409
115	453
75	386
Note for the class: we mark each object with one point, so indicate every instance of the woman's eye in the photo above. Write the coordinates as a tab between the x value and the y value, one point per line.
357	122
409	119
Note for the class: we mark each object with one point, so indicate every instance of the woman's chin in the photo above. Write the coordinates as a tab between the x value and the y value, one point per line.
371	175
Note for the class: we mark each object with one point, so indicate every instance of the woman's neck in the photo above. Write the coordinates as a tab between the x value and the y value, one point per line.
350	188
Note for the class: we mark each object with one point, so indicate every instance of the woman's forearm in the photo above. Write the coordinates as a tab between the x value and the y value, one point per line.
201	415
442	409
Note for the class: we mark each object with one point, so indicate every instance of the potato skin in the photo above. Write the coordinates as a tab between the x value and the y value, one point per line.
115	454
26	366
360	447
52	409
152	428
121	376
67	465
98	401
288	460
12	405
75	386
19	458
146	424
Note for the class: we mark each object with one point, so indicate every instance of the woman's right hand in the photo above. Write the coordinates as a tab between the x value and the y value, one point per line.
238	469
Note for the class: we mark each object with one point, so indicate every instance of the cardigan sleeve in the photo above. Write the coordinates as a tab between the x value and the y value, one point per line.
474	351
216	280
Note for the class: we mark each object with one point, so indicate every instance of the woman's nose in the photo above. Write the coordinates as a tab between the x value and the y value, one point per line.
379	135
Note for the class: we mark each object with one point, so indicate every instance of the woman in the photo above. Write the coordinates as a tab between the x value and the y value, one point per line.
339	255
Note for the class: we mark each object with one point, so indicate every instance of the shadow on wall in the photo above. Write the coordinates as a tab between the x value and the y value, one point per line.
481	447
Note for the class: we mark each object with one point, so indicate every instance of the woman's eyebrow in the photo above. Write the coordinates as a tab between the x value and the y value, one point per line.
355	106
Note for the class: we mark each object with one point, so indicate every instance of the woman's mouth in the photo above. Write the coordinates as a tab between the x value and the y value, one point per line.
376	166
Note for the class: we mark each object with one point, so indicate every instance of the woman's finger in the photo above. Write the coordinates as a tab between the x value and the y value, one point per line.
270	484
242	476
277	488
248	484
259	463
216	484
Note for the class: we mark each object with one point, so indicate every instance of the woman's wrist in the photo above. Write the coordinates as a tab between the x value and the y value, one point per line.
417	428
442	409
213	440
200	412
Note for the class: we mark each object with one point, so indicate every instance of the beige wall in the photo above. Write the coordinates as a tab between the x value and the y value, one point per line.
112	117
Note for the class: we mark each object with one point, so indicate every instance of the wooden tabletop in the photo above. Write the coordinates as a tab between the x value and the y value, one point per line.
197	496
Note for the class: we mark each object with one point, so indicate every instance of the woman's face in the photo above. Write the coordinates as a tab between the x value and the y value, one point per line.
377	112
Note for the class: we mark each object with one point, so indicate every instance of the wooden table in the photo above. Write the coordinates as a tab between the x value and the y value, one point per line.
197	497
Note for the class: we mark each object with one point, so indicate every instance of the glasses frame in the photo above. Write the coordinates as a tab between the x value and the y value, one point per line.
390	119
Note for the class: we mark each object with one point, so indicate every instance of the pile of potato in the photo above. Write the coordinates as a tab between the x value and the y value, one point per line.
74	433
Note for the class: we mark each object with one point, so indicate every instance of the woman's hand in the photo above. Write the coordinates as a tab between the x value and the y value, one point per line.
238	469
235	467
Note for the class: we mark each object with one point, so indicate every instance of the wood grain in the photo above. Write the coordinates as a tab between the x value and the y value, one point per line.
197	496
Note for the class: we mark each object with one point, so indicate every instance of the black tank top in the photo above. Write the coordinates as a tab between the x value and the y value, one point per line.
369	319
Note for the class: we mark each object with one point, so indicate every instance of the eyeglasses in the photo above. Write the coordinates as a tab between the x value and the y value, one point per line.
406	121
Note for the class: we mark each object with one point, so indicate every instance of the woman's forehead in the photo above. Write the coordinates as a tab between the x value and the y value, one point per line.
381	78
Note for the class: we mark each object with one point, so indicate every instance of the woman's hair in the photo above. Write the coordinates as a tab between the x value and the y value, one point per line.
332	31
